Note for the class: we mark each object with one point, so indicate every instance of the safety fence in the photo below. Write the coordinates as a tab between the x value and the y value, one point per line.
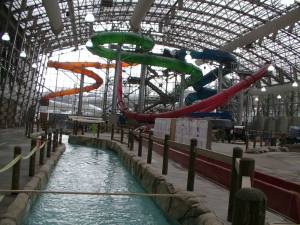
42	144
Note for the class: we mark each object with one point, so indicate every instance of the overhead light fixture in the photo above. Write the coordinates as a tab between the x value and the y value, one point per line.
89	44
295	84
278	96
188	57
5	37
263	89
271	68
256	99
89	18
23	54
34	66
238	51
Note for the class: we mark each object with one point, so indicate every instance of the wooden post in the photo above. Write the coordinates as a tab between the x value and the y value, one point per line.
60	136
247	139
56	138
54	142
76	127
106	126
122	134
131	141
249	207
150	147
246	169
49	145
237	153
15	181
82	128
98	130
112	131
140	149
191	170
254	140
32	159
129	136
42	150
37	125
165	155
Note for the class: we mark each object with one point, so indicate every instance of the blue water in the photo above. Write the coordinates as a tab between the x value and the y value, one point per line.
93	170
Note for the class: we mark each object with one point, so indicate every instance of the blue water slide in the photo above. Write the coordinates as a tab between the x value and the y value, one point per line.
212	55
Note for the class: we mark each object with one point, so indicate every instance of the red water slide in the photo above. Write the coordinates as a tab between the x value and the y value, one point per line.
206	105
80	68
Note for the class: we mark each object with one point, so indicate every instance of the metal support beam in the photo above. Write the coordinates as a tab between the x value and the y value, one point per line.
182	85
104	106
241	108
140	11
220	79
142	88
268	28
79	112
116	82
73	23
54	15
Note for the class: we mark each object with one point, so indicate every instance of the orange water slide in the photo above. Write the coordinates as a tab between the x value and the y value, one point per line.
80	68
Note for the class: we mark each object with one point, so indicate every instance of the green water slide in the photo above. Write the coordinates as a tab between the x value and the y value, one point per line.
141	55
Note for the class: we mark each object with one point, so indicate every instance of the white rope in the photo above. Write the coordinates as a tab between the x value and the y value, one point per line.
20	157
4	191
30	153
10	164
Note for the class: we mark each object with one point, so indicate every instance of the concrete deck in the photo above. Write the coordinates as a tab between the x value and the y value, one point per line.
284	165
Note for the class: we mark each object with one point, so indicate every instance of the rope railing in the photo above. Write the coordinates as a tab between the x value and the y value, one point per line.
142	194
20	157
11	164
38	143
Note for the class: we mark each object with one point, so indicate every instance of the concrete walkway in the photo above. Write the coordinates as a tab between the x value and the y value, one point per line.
284	165
214	196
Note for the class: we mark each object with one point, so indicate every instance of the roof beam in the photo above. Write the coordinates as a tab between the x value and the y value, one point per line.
73	24
268	28
140	11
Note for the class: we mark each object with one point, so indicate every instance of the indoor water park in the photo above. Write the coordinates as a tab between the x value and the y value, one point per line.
153	112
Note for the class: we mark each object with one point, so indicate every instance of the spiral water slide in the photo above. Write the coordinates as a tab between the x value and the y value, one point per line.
80	68
143	45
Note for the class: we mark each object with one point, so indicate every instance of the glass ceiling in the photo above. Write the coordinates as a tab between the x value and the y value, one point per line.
176	23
